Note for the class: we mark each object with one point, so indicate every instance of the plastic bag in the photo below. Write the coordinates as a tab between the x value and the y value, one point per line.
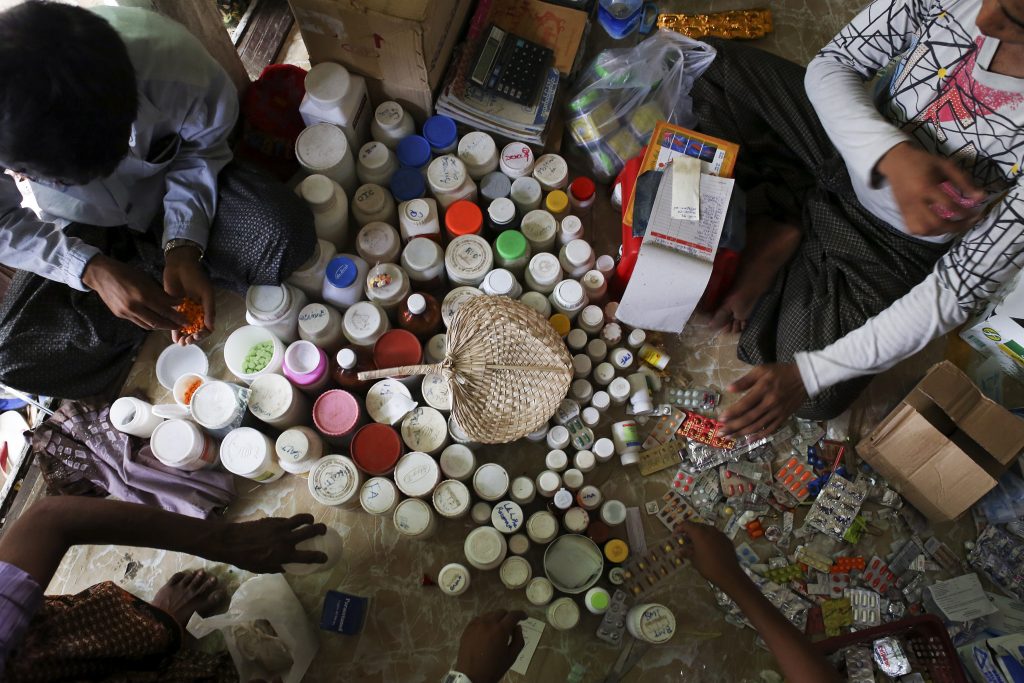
266	631
624	92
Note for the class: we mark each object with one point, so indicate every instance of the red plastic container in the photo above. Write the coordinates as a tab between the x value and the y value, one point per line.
376	448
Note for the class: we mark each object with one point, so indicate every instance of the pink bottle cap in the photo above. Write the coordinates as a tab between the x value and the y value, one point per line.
304	363
336	413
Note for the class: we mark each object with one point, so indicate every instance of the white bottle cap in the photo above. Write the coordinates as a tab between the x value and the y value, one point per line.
619	390
456	298
297	445
582	390
651	623
334	480
551	171
369	199
413	517
314	319
478	151
545	269
585	461
499	282
558	437
215	404
480	513
446	173
457	462
563	499
516	159
518	544
436	348
318	189
563	614
538	434
507	517
485	548
576	340
603	449
548	482
589	497
327	82
522	490
378	496
594	283
604	373
374	155
539	591
249	453
389	115
364	323
539	228
417	474
537	302
425	429
570	293
573	478
468	258
597	350
578	252
622	358
451	499
572	227
576	520
502	211
605	264
491	481
388	401
515	572
590	416
542	527
601	400
612	333
453	579
581	365
321	147
179	443
613	512
637	338
592	316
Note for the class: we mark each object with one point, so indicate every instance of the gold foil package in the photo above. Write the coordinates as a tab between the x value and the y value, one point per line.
745	23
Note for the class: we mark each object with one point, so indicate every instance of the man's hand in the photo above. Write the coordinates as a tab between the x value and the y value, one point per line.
917	179
262	546
131	294
490	645
185	277
774	392
712	554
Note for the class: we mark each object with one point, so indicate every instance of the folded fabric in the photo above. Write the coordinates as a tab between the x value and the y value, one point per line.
79	451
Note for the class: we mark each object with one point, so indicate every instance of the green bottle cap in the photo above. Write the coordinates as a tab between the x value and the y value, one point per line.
511	245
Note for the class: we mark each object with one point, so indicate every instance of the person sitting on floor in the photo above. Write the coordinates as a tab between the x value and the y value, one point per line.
106	632
120	120
877	222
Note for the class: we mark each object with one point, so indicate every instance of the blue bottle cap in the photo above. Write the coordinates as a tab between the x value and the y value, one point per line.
413	151
407	183
439	131
342	272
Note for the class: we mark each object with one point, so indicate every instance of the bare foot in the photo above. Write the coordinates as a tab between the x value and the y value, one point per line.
769	248
188	592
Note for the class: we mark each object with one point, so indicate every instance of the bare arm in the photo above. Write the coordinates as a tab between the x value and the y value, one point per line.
37	541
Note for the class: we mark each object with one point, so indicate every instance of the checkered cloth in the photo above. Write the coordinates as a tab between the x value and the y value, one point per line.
849	265
58	341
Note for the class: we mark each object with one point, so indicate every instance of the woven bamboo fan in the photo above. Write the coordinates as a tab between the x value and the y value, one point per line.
507	367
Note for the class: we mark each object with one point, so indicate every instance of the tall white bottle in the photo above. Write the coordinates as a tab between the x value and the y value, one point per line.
330	208
333	95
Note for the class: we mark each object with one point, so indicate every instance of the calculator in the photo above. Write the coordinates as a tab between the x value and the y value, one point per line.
511	66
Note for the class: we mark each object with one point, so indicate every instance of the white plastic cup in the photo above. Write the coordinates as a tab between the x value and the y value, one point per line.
250	454
182	445
241	341
133	416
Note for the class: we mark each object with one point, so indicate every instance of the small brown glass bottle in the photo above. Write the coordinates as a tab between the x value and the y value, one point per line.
345	369
420	314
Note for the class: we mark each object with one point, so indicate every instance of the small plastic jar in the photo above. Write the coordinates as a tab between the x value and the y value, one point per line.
543	273
378	242
581	366
606	266
600	401
306	366
516	160
376	163
437	393
507	517
480	513
250	454
576	340
590	417
651	623
500	282
540	229
298	449
387	286
537	302
376	449
581	390
576	520
451	499
453	579
485	548
597	600
277	402
595	285
336	415
419	218
563	614
611	334
439	130
449	181
572	478
414	519
512	252
467	260
653	357
458	462
378	496
218	407
621	358
490	481
542	527
591	319
548	483
373	204
479	153
275	307
425	429
423	261
463	217
557	204
417	475
309	277
561	324
323	149
365	323
604	449
501	216
597	349
556	459
558	437
571	229
323	326
568	298
522	490
585	461
518	544
576	258
436	349
343	281
526	194
407	184
515	572
551	172
391	124
182	445
539	591
613	512
589	497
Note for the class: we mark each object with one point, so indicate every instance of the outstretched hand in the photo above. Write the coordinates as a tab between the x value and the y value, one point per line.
773	393
263	545
712	554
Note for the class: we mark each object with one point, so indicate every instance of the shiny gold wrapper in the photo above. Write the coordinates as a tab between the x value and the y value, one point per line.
744	23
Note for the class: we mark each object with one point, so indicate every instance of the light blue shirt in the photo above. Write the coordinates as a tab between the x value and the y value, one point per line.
184	97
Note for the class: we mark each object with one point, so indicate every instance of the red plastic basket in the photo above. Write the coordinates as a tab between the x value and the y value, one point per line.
920	636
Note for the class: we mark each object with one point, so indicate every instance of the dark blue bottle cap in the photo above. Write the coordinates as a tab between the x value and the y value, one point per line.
440	132
407	183
413	151
342	272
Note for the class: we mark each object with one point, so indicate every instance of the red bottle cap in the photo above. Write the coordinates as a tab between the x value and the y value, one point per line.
376	448
396	348
463	218
582	189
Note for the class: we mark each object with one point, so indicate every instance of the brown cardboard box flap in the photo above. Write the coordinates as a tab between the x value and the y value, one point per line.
997	430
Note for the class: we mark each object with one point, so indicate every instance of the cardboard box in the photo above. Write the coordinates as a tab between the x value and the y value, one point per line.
401	46
999	332
945	445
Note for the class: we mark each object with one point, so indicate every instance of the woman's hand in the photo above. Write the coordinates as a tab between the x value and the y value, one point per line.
773	393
